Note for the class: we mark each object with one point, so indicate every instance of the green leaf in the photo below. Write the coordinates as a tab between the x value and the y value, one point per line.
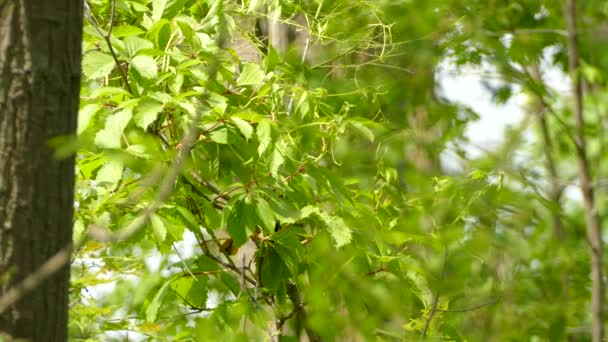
288	246
110	91
145	66
264	134
139	151
254	5
243	126
338	230
276	161
212	218
96	64
155	304
364	130
79	231
241	222
111	135
135	44
189	219
160	33
110	174
266	215
91	163
335	225
252	74
158	7
126	31
146	112
85	114
158	227
272	268
193	291
220	136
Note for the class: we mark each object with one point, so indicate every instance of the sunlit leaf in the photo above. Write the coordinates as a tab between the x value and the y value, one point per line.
252	74
145	65
97	64
243	126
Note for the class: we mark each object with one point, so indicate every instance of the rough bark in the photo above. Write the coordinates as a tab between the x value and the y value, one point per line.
40	51
594	230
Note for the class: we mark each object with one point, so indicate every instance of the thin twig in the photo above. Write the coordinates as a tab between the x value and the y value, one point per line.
183	262
427	324
474	307
435	295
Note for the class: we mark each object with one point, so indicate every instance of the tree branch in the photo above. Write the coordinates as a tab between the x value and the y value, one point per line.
594	232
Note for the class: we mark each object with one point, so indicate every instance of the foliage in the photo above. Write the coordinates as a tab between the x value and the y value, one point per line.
312	200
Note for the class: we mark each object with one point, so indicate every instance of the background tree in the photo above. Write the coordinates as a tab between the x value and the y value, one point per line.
234	187
40	52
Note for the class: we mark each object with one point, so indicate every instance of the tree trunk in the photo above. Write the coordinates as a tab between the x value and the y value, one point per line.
594	228
40	52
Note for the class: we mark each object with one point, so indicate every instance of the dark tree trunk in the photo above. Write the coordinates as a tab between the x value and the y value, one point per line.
40	51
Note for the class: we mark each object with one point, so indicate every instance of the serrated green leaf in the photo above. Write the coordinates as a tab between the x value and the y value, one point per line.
252	74
135	44
145	66
85	114
241	222
126	31
111	135
193	291
110	91
158	227
110	174
303	104
188	219
266	215
155	304
264	134
288	246
272	269
96	64
160	33
146	112
276	161
220	136
212	217
250	116
91	163
243	126
338	230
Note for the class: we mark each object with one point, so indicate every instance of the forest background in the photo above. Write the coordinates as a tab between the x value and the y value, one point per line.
296	171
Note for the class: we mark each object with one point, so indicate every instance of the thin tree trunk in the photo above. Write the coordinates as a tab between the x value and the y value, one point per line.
40	52
594	233
555	190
